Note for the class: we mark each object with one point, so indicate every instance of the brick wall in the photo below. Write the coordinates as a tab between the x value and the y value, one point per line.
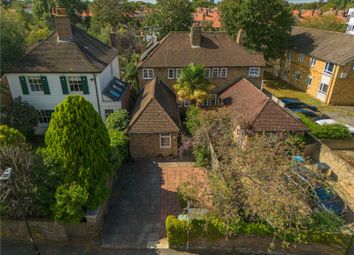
234	73
148	145
260	245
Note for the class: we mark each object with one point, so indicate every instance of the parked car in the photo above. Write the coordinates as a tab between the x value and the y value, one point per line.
331	121
295	103
329	200
307	112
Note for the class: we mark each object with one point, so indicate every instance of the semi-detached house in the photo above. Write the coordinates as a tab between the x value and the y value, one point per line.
68	62
225	59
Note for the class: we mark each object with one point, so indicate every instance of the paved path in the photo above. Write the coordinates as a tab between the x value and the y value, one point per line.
133	220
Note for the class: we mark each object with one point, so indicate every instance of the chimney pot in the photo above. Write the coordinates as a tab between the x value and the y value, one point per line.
62	24
196	36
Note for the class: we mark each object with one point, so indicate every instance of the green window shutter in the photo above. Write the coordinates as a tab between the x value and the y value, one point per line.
85	87
24	86
45	85
64	85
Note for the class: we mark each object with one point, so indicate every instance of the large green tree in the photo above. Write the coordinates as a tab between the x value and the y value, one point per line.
193	84
267	24
12	34
78	139
170	15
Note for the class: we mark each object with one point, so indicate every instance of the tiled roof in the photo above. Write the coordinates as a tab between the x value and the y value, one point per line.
155	111
83	54
213	16
252	109
217	49
330	46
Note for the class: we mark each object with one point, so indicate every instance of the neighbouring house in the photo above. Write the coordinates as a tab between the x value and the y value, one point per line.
155	124
68	62
321	63
350	22
254	112
208	17
224	59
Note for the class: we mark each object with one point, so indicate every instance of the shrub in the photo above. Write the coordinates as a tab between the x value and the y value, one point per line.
10	136
70	199
202	156
326	221
21	116
118	120
119	148
332	131
194	119
79	141
176	231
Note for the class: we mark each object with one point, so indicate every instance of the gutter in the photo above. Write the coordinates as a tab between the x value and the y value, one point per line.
97	97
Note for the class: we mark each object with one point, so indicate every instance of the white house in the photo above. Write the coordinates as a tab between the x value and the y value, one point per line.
68	62
350	21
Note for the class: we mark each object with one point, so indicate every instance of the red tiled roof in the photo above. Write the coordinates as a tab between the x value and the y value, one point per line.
206	14
252	109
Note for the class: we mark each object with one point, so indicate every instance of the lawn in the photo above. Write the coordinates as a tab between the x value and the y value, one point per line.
280	88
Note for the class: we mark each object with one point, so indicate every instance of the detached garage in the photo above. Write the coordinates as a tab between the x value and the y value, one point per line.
155	125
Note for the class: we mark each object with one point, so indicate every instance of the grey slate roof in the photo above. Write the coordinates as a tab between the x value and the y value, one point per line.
330	46
217	49
84	54
156	110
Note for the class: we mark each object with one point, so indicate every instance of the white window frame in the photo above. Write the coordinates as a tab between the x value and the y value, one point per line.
320	89
170	73
215	73
254	72
213	100
75	84
207	72
108	112
301	57
297	75
178	72
148	73
313	61
165	136
326	70
223	72
343	75
43	117
35	83
309	80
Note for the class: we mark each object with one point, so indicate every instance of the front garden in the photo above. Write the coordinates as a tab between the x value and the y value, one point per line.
68	175
256	188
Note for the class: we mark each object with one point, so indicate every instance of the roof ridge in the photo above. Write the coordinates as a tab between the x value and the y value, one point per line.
331	31
261	111
166	113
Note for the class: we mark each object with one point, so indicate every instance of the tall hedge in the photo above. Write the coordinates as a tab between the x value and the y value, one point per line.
79	140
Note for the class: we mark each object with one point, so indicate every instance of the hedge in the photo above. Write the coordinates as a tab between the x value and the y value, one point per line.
332	131
214	229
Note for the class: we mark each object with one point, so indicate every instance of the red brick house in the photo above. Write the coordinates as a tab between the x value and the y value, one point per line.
155	124
254	112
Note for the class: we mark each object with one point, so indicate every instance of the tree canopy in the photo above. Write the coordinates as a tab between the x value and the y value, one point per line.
327	22
193	84
267	24
78	139
170	15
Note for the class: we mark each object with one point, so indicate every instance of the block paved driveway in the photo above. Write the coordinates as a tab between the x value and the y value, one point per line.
143	195
133	219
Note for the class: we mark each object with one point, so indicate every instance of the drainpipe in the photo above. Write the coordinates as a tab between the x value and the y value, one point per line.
97	97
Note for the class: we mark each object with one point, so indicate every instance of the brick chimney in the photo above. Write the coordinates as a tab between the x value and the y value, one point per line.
196	35
62	24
